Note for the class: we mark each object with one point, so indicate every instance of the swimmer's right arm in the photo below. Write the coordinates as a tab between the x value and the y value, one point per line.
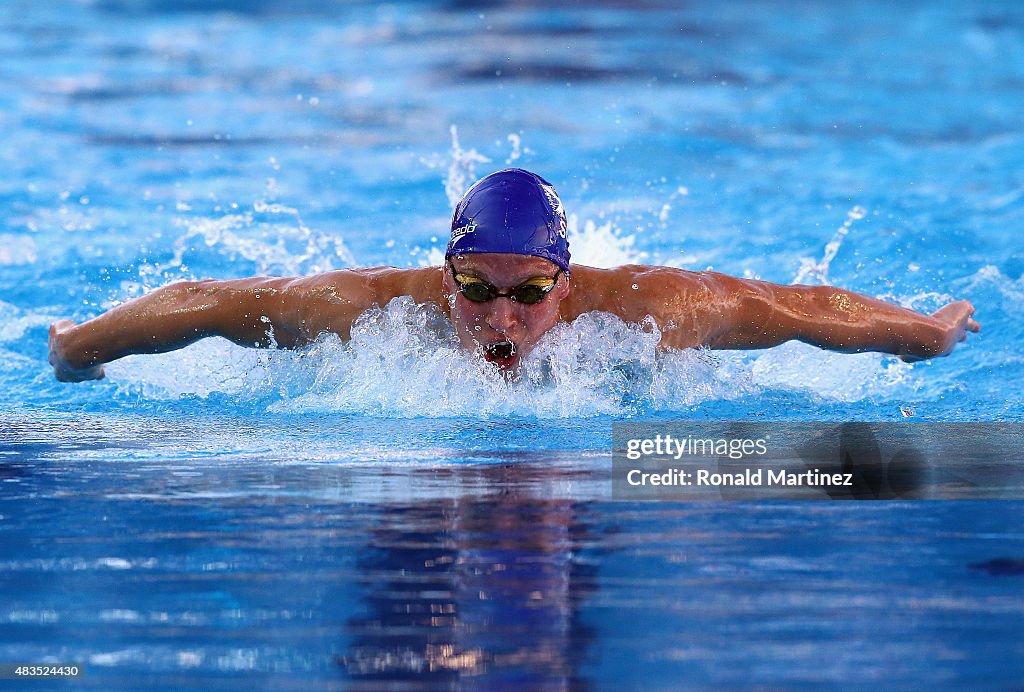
724	312
260	312
758	314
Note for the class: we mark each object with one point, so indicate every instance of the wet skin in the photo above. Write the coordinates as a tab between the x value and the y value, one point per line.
690	309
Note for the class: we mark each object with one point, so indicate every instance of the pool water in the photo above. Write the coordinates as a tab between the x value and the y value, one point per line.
390	511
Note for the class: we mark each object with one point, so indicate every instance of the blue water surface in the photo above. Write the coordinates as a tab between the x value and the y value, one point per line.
388	512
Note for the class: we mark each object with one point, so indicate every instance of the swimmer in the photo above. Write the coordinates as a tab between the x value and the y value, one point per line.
507	280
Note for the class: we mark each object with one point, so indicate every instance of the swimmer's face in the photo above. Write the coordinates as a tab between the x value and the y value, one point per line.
503	330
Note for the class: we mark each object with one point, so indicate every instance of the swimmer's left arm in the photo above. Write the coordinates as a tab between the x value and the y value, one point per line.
757	314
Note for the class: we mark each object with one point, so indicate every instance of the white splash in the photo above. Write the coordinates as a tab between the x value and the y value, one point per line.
461	170
994	290
516	142
404	361
271	235
799	367
812	272
17	321
601	245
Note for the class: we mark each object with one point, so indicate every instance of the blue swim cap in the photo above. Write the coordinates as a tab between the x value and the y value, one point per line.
511	211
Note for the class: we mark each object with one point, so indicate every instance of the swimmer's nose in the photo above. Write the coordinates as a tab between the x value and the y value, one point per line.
501	316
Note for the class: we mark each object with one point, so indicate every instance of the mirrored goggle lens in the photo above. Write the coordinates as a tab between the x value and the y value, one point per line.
478	292
528	294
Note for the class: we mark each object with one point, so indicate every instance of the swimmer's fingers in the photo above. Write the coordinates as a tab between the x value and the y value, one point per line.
62	369
95	372
970	324
956	318
959	315
957	311
56	330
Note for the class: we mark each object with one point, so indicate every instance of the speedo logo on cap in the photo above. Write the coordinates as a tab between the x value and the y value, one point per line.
556	207
549	192
462	230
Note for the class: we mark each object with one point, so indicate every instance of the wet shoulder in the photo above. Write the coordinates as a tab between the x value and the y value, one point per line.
379	285
331	301
631	291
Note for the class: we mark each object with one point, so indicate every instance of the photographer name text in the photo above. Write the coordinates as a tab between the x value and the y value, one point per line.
748	477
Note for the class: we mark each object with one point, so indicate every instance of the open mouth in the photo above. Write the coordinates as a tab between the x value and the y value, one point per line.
500	352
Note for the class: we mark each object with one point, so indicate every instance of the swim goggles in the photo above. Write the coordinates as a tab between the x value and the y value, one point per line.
529	292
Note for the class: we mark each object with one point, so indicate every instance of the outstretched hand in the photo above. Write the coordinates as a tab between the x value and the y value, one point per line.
957	319
62	369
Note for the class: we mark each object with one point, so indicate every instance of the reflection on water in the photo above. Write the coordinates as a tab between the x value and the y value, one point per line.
281	567
470	586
